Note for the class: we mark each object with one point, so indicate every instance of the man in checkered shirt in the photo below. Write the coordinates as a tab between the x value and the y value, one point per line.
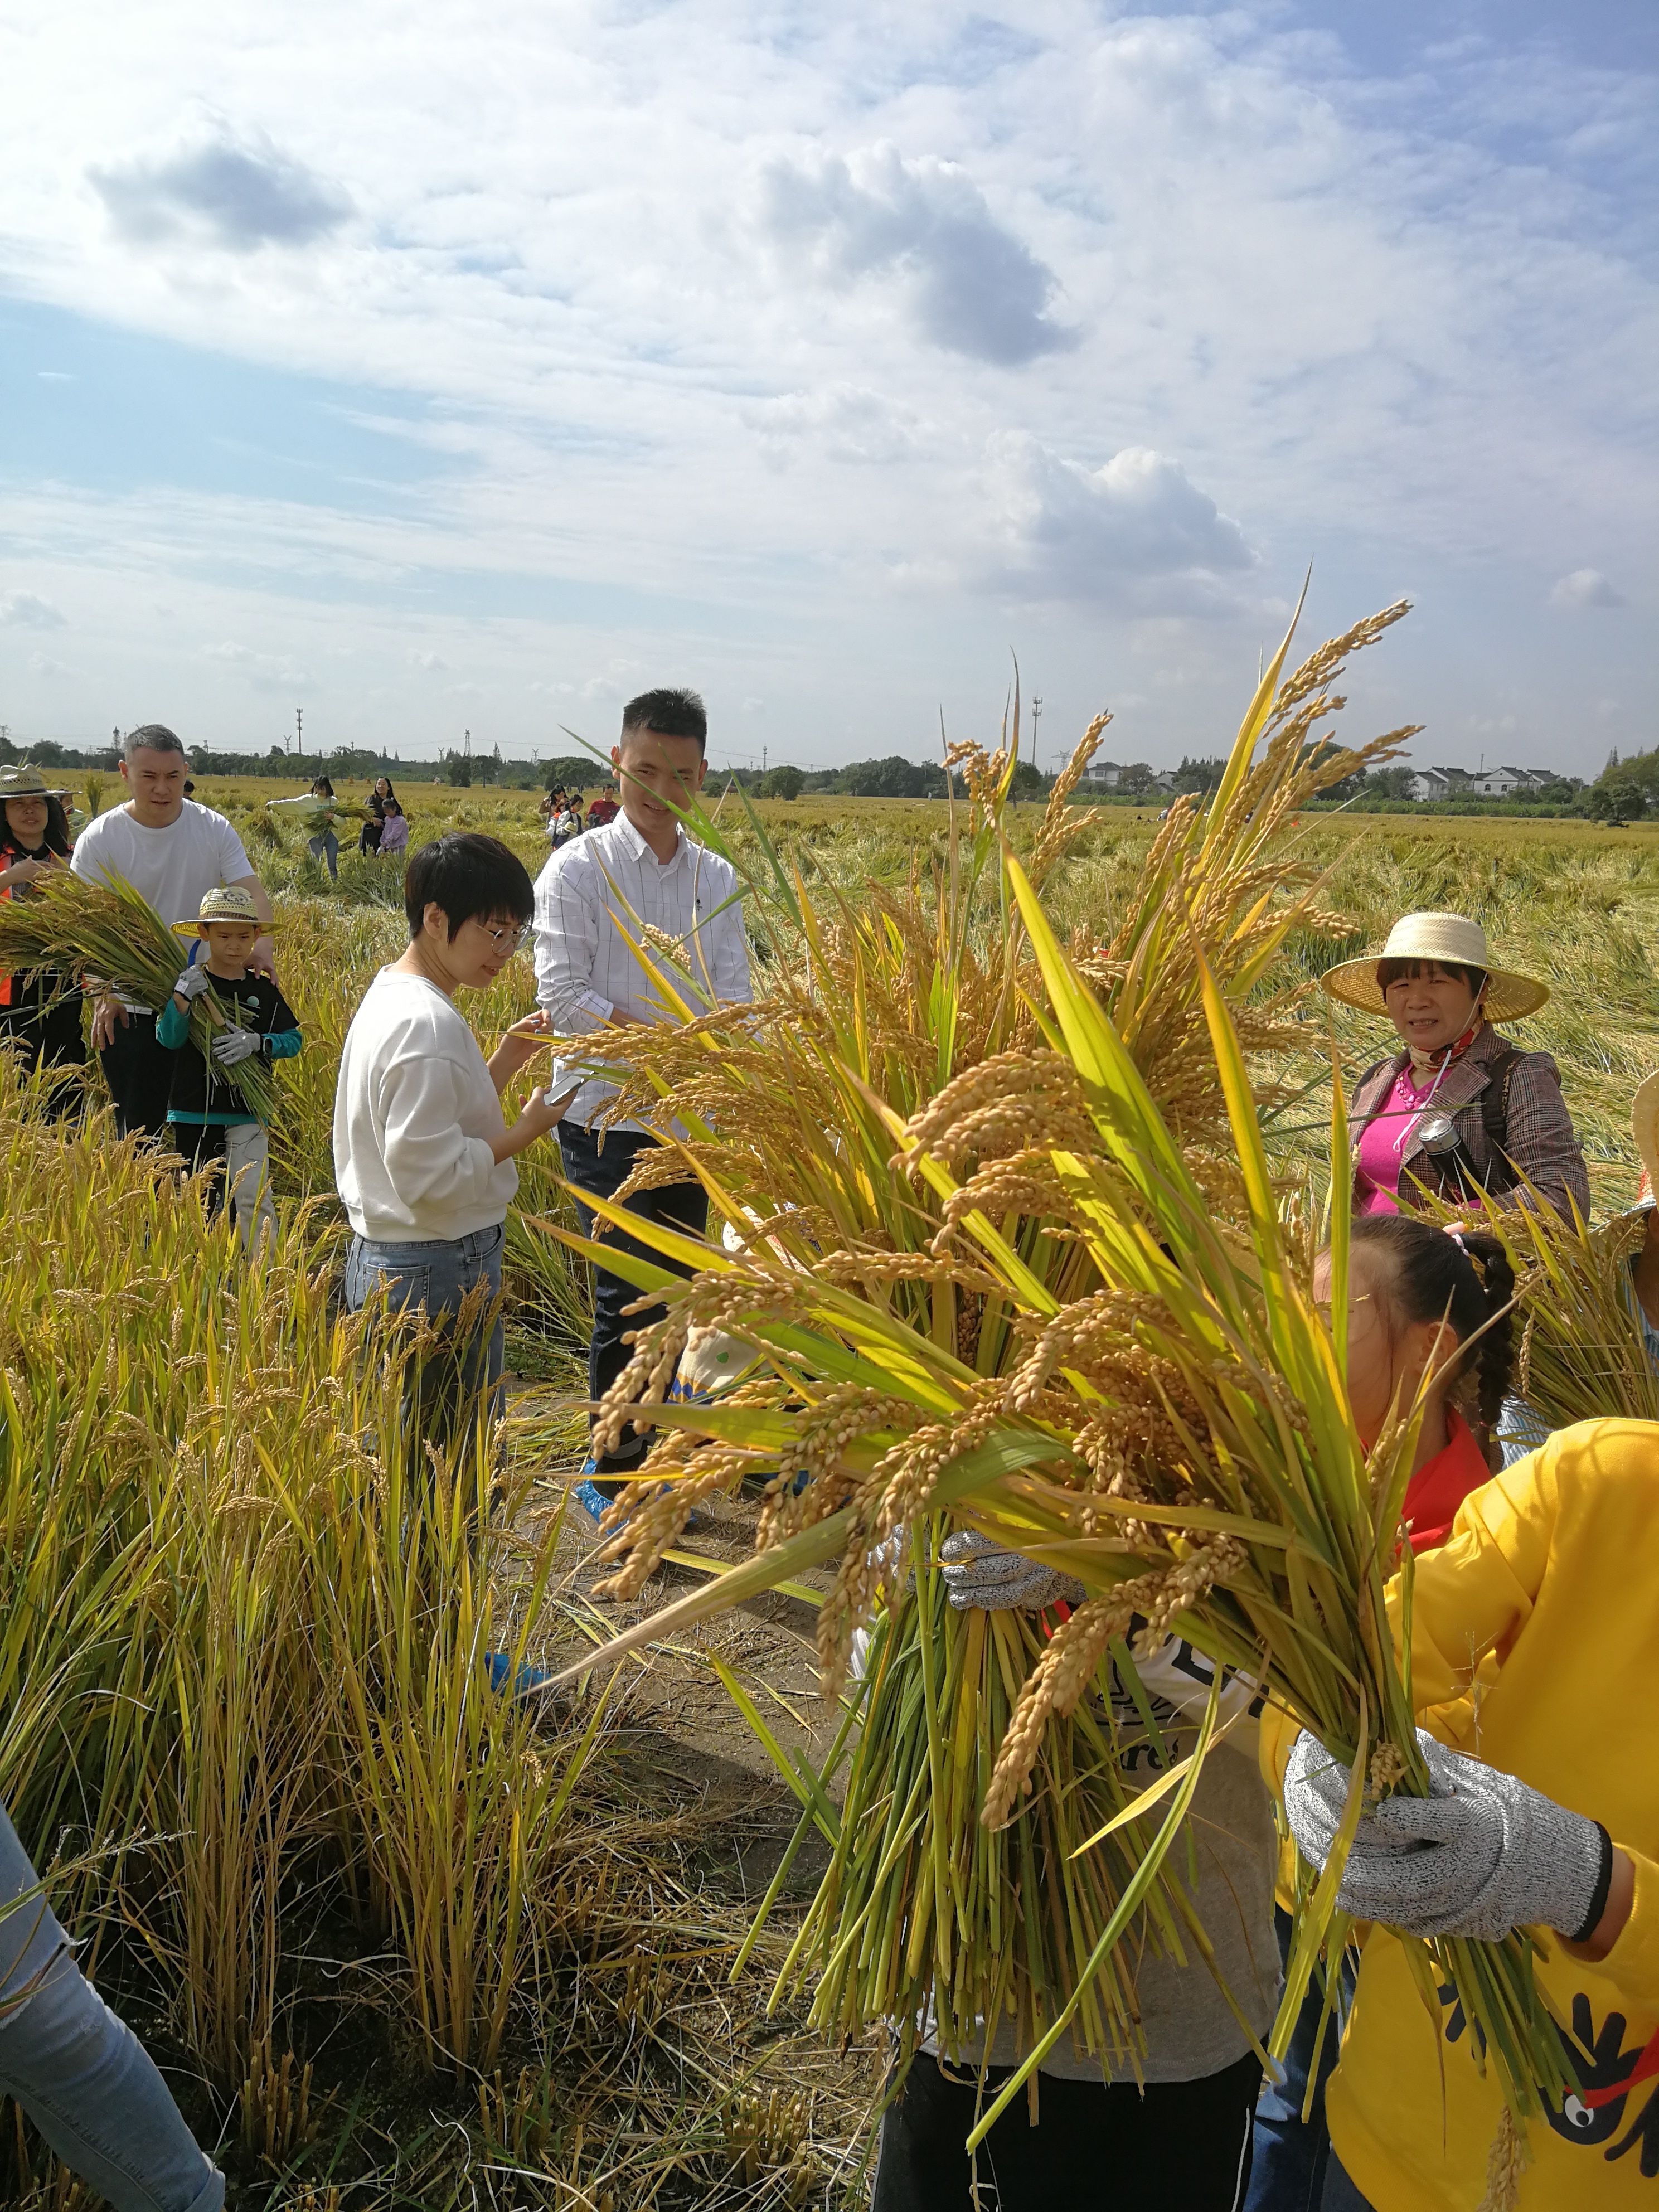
587	978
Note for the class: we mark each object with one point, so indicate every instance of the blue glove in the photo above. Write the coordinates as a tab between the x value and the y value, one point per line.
979	1573
231	1047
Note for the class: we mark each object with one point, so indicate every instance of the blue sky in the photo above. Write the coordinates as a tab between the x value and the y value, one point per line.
477	367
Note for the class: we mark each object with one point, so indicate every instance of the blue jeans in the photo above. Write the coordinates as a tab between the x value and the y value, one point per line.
326	848
1289	2172
81	2074
436	1276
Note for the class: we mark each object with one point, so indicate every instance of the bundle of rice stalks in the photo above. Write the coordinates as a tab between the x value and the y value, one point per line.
1581	1354
110	933
1087	1362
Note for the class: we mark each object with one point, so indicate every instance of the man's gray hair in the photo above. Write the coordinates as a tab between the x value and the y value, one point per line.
153	737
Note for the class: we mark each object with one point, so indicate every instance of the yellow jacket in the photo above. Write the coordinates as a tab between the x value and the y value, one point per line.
1551	1575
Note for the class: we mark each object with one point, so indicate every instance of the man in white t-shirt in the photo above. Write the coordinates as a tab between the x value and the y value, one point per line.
173	851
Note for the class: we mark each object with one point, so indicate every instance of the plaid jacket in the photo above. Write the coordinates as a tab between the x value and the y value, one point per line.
1541	1141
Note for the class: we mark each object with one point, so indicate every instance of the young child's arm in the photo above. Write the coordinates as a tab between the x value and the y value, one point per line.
172	1023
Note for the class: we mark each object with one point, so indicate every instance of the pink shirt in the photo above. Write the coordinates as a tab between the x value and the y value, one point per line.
1385	1137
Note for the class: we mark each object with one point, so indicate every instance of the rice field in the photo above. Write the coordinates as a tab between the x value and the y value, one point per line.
398	1941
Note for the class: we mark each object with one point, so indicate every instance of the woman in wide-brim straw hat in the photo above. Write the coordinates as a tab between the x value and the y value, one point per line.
39	1014
1460	1108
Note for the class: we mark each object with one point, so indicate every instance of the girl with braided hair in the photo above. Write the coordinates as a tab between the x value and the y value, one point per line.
1428	1315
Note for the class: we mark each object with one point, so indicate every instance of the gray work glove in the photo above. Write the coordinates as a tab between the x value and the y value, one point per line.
192	984
1484	1854
231	1046
978	1572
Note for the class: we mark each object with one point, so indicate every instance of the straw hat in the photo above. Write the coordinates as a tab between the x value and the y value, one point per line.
230	902
27	782
1644	1127
1452	941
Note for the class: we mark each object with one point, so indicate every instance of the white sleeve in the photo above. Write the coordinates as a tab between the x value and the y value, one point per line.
732	984
430	1161
566	947
234	862
83	860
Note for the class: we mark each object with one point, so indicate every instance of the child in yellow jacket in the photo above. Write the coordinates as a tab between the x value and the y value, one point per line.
1549	1820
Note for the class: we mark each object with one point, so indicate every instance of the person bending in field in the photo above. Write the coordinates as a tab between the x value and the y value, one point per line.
640	868
423	1158
212	1121
173	851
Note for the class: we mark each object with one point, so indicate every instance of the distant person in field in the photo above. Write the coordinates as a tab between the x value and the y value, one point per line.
173	851
587	978
323	844
1461	1111
368	840
604	809
39	1015
394	832
212	1123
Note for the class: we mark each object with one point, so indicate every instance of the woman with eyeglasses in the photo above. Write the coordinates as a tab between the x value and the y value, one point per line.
1462	1112
422	1153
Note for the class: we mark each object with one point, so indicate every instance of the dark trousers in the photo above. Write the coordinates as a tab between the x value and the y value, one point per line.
139	1074
677	1205
39	1031
1175	2147
1291	2158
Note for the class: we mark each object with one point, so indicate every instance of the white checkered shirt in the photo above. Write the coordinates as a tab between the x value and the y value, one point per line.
584	965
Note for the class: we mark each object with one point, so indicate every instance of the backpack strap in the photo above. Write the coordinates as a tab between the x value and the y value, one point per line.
1495	1118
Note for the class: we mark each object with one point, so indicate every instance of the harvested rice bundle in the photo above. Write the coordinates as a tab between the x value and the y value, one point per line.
1170	1424
110	930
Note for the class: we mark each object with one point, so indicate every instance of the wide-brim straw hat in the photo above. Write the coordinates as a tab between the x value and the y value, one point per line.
230	902
1452	941
26	782
1644	1129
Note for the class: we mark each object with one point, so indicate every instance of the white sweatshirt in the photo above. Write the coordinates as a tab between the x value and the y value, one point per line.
414	1113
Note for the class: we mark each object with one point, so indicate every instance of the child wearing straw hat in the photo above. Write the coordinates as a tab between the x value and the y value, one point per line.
39	1014
212	1122
1462	1112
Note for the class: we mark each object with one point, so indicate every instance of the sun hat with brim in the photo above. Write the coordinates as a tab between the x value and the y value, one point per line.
27	781
1451	940
229	903
1644	1129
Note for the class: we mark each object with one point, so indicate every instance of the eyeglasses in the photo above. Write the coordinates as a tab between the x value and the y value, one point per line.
507	940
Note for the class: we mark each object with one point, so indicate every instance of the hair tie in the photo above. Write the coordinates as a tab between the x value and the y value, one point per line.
1474	1259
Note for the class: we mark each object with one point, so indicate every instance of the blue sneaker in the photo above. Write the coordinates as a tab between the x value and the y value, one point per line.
594	1502
524	1678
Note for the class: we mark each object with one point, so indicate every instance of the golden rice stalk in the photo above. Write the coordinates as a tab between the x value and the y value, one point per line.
1174	1415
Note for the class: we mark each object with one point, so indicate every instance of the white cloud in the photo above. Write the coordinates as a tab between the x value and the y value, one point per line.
1136	532
42	664
24	611
1584	587
969	284
239	195
597	301
844	422
266	671
433	663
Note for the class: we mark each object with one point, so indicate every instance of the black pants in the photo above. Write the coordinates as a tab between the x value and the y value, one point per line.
39	1031
677	1206
1175	2147
139	1074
